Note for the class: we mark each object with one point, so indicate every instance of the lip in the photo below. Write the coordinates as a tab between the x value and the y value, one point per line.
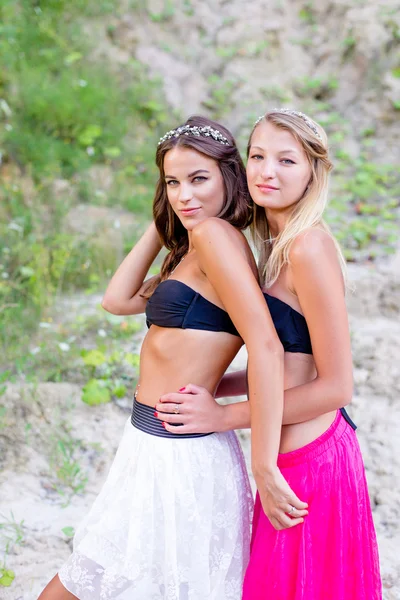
267	188
187	212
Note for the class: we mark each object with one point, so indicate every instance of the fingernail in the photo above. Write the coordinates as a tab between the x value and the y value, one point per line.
163	424
156	414
181	389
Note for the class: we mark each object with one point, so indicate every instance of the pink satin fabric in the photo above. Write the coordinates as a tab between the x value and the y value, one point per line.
333	555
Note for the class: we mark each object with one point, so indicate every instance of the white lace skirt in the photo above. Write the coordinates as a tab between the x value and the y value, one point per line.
172	522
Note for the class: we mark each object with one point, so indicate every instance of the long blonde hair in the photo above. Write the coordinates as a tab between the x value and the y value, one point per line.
273	253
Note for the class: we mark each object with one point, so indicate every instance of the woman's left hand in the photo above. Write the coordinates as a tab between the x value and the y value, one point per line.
193	407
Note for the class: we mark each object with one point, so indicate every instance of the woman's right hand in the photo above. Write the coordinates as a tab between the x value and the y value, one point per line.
280	504
194	408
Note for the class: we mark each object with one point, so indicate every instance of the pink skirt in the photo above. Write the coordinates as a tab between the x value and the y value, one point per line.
333	555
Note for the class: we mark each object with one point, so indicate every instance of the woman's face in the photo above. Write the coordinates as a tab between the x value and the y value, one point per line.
195	186
278	171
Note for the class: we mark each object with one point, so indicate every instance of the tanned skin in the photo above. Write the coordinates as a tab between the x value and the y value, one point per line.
221	267
315	385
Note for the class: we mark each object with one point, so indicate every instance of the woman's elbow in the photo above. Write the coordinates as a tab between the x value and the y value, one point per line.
347	393
111	306
342	393
268	347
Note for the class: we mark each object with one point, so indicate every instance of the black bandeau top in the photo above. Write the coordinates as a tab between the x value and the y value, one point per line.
175	304
290	325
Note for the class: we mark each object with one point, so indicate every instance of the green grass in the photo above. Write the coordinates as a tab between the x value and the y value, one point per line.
365	208
64	112
67	112
220	100
68	476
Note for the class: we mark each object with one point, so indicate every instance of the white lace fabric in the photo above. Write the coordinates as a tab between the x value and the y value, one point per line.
172	522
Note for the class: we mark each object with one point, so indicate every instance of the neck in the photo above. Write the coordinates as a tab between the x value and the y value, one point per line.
276	221
190	241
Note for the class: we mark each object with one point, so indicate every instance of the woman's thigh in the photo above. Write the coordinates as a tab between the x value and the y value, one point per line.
56	591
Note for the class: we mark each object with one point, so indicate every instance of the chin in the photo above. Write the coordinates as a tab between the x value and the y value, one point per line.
190	223
266	201
263	202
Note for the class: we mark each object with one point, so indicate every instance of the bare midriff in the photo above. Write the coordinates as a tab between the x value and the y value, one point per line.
172	358
300	369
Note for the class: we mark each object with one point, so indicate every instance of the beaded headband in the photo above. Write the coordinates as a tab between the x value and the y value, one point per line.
196	131
294	113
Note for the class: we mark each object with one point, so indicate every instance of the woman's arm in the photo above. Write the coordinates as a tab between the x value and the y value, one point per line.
318	283
317	280
224	257
123	294
232	384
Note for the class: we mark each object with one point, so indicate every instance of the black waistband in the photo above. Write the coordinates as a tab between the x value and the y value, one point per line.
143	418
347	418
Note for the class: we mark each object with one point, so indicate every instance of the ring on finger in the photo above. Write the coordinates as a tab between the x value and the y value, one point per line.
292	508
176	409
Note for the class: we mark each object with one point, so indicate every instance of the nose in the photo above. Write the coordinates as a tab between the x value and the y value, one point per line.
268	169
185	193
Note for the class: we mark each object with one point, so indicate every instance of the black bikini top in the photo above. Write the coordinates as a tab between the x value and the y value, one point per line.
175	304
290	325
293	332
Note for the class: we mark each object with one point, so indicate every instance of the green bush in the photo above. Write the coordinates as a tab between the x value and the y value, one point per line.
65	110
62	112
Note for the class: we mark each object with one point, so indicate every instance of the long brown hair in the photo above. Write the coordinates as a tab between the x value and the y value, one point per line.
236	209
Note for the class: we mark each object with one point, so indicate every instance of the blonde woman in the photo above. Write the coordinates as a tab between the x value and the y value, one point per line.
333	554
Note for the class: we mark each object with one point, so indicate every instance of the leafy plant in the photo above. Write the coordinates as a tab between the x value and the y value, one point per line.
96	392
188	8
68	478
7	576
306	13
227	51
63	113
316	87
166	14
68	531
365	207
221	95
11	534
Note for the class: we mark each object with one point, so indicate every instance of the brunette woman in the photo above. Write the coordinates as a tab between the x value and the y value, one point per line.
172	521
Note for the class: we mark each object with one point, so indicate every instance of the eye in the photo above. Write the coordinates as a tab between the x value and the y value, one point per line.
172	182
256	156
200	178
288	161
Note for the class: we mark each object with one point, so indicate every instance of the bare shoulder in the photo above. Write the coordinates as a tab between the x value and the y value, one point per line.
219	232
314	263
214	226
311	247
223	239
